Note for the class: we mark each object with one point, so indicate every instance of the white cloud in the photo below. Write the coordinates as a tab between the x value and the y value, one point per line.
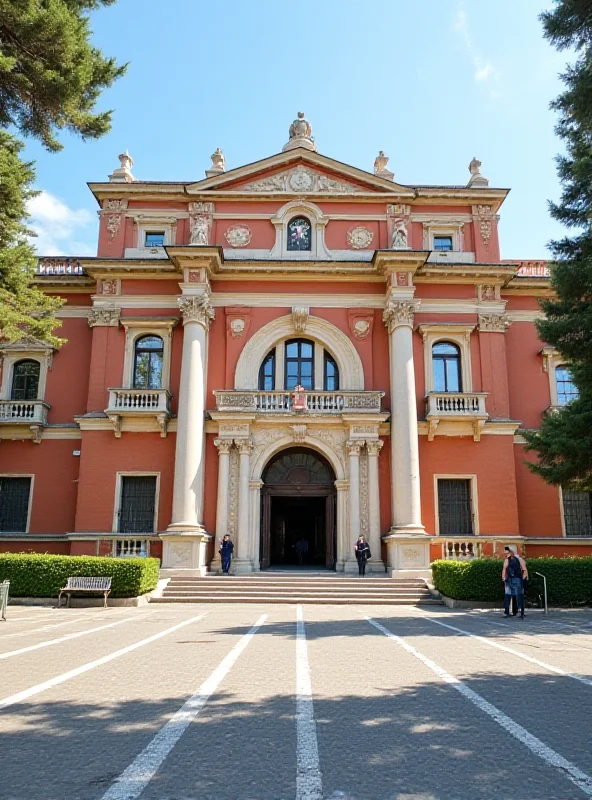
484	71
61	230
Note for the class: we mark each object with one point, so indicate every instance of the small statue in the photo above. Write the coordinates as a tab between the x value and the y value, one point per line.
123	174
380	167
300	134
299	398
200	230
399	234
218	160
476	178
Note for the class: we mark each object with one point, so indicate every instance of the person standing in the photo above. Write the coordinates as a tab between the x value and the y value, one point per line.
226	548
362	551
514	573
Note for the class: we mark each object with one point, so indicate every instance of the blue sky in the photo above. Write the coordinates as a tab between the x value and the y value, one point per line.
431	82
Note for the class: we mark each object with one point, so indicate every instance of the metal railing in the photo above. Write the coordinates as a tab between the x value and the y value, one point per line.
27	411
283	402
4	589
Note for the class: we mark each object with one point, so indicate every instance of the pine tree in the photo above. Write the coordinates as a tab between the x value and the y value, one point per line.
50	80
564	440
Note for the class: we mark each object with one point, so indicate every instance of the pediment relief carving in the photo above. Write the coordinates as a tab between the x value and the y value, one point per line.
301	180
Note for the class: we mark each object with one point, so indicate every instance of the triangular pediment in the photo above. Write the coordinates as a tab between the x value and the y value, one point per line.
299	172
28	344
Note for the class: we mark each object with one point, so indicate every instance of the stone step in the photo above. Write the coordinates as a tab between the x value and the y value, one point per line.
335	583
295	590
263	598
411	598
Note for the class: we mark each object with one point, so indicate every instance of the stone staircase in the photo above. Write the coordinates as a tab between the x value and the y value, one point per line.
293	587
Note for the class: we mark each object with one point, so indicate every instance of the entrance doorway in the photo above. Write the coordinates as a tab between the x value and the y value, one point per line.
298	514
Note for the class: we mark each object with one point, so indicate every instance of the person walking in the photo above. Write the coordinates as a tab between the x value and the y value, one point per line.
514	573
362	551
301	549
226	548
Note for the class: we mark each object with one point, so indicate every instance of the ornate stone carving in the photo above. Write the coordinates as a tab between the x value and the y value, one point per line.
238	235
361	328
494	323
107	317
237	327
398	210
476	180
123	173
200	222
354	446
300	318
374	446
484	216
400	234
399	313
402	278
233	430
218	163
113	225
108	287
195	276
224	446
114	205
359	238
299	433
364	505
335	439
298	181
488	293
244	446
232	492
380	166
197	308
179	554
300	134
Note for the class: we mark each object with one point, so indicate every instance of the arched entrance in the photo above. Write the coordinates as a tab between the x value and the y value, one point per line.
298	505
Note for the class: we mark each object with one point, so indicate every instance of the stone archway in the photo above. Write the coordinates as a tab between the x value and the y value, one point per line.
298	519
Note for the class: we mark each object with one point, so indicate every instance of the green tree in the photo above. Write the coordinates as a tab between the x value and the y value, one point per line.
50	80
563	443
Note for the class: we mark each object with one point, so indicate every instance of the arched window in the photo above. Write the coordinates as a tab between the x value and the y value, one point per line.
25	380
566	389
299	234
267	373
299	364
331	376
148	357
447	374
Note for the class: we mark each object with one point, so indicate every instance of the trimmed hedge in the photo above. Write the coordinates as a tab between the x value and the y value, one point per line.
43	575
569	580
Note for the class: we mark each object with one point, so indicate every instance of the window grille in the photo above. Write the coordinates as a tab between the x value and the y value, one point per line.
25	380
577	513
455	512
137	504
14	504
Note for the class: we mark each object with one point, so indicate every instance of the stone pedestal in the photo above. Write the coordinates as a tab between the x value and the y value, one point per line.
408	555
184	554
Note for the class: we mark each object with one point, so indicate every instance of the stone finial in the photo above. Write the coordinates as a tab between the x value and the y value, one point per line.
218	164
380	169
300	134
123	174
476	180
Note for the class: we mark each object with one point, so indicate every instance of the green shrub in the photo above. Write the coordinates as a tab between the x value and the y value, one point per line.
43	575
569	580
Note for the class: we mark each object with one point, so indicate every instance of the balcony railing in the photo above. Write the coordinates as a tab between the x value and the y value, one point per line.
461	550
462	407
58	266
29	412
283	402
139	401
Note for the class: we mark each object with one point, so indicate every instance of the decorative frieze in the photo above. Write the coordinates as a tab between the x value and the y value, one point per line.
238	235
113	225
399	312
494	323
197	308
298	181
200	222
359	238
114	205
364	503
483	215
105	317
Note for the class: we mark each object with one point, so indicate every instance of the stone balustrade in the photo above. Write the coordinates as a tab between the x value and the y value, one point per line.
58	266
30	412
461	550
139	400
131	548
283	402
466	404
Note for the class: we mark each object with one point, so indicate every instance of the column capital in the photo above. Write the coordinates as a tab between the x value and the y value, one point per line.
354	446
244	446
374	446
106	316
494	323
399	312
223	445
197	308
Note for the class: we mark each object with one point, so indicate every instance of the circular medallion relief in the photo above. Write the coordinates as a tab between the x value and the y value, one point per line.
359	238
301	180
238	236
361	328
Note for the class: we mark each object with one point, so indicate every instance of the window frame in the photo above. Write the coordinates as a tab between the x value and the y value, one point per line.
119	495
271	357
14	353
443	228
563	519
327	357
156	224
473	489
31	476
300	360
445	357
148	233
438	236
460	335
14	369
136	328
565	367
311	234
155	351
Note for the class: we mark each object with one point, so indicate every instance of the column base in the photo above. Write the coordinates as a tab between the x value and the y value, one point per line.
373	567
184	551
241	566
408	552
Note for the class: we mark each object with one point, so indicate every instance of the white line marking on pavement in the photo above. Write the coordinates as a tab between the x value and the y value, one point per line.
65	638
132	782
73	673
71	621
309	781
536	746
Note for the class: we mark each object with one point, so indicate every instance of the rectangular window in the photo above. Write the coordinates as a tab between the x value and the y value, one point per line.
154	239
455	512
137	504
14	504
577	513
442	242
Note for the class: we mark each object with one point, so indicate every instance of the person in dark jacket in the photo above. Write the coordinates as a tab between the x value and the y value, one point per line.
514	573
362	551
226	548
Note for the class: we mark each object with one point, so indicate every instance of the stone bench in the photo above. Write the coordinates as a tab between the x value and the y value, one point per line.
96	585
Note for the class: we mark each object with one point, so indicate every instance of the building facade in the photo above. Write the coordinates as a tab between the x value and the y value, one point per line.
291	350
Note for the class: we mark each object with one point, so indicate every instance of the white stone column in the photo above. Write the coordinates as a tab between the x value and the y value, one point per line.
184	540
242	562
376	564
341	522
354	447
255	527
224	446
412	554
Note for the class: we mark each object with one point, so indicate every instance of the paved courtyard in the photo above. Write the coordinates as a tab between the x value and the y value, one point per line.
270	702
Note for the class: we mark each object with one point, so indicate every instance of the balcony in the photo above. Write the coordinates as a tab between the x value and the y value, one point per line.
30	413
459	412
313	403
145	405
58	266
